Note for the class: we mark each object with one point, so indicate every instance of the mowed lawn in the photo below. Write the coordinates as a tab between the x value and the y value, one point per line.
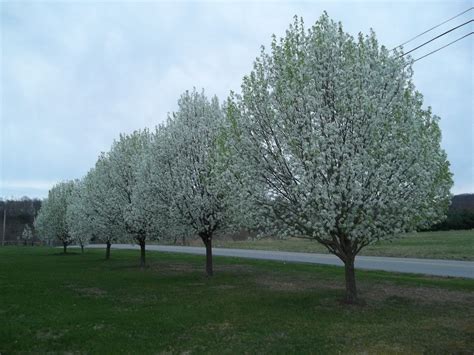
82	303
458	245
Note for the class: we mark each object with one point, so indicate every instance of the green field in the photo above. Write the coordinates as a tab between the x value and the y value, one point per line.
82	303
458	245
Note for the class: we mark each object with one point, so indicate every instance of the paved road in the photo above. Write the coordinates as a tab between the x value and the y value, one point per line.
406	265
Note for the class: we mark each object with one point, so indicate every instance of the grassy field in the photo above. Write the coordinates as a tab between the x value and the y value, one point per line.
82	303
457	245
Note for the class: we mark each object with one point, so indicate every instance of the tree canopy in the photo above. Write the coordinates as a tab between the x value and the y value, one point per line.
332	142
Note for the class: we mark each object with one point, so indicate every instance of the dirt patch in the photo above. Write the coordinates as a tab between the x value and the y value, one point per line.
382	292
235	268
196	284
142	299
219	327
191	268
368	291
295	284
224	287
175	268
48	334
88	291
98	327
69	253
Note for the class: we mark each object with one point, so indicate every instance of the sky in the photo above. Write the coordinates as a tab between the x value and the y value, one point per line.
76	74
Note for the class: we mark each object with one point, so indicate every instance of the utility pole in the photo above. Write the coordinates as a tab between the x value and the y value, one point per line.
4	221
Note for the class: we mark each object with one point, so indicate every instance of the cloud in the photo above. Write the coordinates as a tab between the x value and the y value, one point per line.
20	188
75	75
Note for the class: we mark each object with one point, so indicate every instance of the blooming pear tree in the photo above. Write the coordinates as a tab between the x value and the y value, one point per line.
152	196
102	216
125	159
51	221
332	143
78	218
186	176
27	234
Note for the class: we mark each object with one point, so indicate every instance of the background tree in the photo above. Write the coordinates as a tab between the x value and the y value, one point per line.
27	234
332	142
51	222
16	213
460	214
186	176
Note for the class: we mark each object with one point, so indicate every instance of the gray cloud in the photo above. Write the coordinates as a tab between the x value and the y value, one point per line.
75	75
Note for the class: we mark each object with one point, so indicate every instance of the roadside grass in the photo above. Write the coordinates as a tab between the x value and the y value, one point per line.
457	245
51	302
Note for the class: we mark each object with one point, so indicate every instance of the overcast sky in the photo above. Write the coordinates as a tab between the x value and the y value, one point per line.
76	74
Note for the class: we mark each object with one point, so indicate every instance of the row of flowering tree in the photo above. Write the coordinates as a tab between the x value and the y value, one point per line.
328	140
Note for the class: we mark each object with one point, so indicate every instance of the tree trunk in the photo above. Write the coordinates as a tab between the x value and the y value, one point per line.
208	243
142	253
65	248
82	249
351	290
107	251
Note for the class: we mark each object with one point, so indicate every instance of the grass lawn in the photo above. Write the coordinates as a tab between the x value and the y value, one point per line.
458	245
82	303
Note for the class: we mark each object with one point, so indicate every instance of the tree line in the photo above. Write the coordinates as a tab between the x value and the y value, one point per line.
460	214
327	140
17	218
21	213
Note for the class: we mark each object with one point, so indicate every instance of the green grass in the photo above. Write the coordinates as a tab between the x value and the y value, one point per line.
458	245
81	303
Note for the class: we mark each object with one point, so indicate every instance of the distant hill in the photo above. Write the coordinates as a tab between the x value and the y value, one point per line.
463	202
460	214
18	214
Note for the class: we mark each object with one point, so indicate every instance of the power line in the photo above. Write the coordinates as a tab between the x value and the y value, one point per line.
440	48
438	36
432	28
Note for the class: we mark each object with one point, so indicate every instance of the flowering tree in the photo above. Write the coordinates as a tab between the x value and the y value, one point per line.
78	218
186	176
124	162
332	143
27	234
152	194
51	222
102	216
